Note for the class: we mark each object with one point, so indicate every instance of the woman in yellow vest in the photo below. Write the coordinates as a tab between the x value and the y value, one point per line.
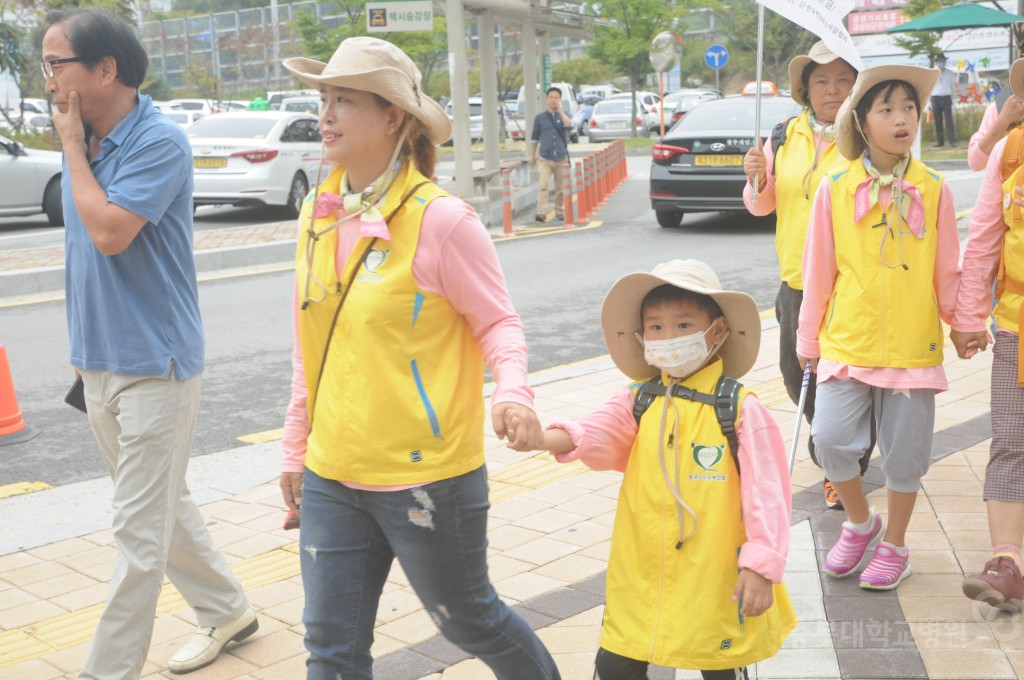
701	530
400	302
997	238
881	274
787	176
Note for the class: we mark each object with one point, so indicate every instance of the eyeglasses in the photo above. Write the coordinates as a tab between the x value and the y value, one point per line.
47	66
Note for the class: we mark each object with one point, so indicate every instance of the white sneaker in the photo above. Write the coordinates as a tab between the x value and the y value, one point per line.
207	643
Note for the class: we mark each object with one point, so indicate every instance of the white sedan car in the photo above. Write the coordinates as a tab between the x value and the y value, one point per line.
255	158
31	182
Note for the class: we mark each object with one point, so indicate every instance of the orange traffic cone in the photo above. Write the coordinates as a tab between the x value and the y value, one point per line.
12	428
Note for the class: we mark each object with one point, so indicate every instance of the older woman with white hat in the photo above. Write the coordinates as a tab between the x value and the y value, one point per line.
400	303
788	171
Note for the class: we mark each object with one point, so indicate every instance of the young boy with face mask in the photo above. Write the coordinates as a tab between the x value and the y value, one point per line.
698	549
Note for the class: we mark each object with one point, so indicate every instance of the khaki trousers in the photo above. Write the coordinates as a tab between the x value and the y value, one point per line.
549	169
144	427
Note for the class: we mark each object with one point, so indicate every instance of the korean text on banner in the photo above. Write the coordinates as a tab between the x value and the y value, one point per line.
824	18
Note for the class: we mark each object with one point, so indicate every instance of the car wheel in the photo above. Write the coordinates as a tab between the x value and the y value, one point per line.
53	203
670	219
585	128
296	195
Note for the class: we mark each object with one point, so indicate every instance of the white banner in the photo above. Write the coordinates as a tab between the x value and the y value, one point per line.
824	18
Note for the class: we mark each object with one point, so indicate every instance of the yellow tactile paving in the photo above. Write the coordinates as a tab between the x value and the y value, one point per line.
262	437
74	628
19	488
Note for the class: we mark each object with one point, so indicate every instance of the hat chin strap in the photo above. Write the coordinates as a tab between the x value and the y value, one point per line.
856	123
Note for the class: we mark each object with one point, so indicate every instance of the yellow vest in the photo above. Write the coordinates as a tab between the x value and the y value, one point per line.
792	205
671	606
400	400
1012	265
883	316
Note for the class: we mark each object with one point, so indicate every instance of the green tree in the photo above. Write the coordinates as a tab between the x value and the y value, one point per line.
624	41
783	40
580	71
920	42
427	49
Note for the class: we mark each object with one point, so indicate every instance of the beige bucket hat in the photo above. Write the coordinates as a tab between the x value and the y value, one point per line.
819	54
1017	79
620	317
377	66
849	138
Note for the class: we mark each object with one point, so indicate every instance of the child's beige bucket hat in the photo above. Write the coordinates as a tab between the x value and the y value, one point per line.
620	317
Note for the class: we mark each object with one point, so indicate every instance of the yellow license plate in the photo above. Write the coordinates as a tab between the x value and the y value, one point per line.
708	159
210	162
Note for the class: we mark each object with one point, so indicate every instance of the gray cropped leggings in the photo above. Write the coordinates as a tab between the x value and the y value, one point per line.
905	420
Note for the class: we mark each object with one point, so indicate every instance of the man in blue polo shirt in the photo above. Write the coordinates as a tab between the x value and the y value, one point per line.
136	337
550	133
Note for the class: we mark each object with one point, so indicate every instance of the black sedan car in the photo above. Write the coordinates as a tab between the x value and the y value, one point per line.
698	165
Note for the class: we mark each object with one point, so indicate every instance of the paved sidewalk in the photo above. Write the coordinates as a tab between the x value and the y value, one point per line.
549	540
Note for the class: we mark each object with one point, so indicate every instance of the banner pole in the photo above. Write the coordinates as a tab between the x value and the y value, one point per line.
757	96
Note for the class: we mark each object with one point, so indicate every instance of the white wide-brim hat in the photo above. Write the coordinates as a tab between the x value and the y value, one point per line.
819	54
377	66
1017	79
620	317
849	138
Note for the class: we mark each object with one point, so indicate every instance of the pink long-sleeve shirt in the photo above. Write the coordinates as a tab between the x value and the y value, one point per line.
984	247
604	440
456	259
820	273
976	158
766	198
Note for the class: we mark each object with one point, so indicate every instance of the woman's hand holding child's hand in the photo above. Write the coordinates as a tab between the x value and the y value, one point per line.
519	425
756	592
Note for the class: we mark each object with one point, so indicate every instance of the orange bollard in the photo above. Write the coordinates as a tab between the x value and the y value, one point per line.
581	196
567	194
621	173
506	202
588	174
12	427
602	175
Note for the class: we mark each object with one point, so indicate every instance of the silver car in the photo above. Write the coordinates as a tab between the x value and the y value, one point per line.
31	182
613	119
476	119
255	158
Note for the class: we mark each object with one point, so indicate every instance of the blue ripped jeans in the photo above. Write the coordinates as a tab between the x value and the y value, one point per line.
438	532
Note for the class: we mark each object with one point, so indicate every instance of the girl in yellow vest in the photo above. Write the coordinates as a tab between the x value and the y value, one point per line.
880	274
997	238
400	301
701	531
787	177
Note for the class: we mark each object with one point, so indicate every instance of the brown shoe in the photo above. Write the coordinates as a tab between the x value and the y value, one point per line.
832	501
999	584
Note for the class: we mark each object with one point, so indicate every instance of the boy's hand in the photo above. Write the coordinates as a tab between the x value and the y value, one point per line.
969	344
756	592
519	424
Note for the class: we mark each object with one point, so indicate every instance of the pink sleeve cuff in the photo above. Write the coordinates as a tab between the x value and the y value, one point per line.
763	560
576	433
515	394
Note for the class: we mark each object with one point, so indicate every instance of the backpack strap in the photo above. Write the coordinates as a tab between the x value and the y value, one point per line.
725	401
779	134
727	410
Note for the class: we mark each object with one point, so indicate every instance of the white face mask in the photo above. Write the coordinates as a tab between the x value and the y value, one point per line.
679	357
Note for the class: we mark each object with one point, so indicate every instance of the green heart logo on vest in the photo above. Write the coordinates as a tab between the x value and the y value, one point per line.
374	259
707	456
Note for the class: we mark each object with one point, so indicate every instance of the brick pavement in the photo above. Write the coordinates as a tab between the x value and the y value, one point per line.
549	540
